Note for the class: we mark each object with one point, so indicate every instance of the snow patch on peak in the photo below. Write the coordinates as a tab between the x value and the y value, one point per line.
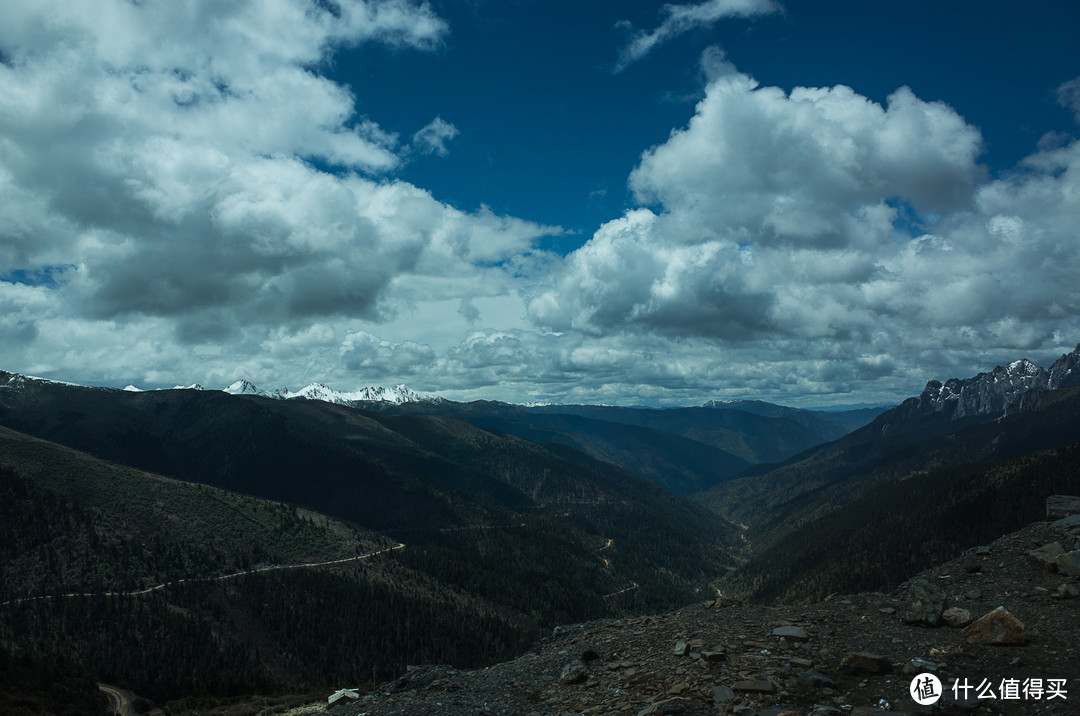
243	387
132	389
1022	367
397	394
318	391
373	394
19	380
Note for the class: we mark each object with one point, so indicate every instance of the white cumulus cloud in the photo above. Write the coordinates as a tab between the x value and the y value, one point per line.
166	155
779	222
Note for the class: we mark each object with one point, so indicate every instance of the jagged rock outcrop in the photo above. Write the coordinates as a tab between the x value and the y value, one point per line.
1065	373
1009	389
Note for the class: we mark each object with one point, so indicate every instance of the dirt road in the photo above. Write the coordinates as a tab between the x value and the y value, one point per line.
119	701
272	568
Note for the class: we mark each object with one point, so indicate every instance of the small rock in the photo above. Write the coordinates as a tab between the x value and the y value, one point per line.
925	603
714	655
1069	563
973	594
676	705
952	704
792	633
815	679
681	648
956	617
982	550
997	627
865	663
1047	555
1058	506
1069	590
887	610
1066	524
722	694
920	666
759	686
573	673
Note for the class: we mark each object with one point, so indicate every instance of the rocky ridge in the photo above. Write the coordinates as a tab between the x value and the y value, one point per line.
1004	390
851	654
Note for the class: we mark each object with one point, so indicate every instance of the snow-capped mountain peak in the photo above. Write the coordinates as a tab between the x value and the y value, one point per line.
321	391
318	391
243	387
1022	367
372	394
1003	390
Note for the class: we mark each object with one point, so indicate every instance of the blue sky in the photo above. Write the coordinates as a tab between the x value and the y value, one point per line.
622	202
550	130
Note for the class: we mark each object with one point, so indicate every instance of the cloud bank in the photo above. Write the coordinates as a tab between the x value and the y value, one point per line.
820	224
186	178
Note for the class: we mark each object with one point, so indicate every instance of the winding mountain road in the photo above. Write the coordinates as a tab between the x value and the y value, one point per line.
119	702
234	575
633	586
610	542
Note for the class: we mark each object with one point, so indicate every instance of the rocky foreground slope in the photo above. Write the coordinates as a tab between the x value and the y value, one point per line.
849	654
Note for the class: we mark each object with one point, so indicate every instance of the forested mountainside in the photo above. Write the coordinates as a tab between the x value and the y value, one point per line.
182	590
915	486
683	449
503	539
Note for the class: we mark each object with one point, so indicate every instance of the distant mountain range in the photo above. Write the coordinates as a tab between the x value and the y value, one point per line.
686	450
320	391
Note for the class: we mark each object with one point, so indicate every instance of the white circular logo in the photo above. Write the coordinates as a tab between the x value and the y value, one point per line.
925	689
